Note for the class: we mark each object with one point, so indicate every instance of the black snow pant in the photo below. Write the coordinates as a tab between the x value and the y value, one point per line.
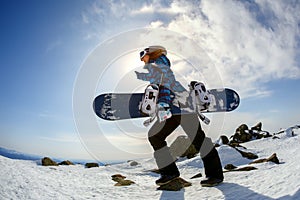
191	125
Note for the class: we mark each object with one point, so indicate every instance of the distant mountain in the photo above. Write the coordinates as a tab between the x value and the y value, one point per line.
21	156
17	155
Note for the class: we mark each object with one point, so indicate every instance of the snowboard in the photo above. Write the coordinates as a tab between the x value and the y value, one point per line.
120	106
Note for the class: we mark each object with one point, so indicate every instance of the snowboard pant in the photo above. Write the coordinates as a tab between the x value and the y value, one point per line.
191	125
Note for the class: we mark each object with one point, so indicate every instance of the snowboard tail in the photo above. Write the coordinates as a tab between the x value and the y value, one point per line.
118	106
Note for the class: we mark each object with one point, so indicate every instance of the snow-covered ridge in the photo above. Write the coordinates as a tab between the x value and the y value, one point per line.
21	179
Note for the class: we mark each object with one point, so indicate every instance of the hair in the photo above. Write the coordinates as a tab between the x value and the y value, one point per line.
155	52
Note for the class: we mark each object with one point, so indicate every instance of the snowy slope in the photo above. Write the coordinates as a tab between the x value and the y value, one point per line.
21	179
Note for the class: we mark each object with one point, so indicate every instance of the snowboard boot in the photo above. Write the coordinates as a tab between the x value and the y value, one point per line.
166	165
168	174
210	182
164	179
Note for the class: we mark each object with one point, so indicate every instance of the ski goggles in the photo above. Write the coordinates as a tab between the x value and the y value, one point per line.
142	54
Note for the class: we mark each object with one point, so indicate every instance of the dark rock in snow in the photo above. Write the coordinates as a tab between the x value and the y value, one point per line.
273	158
90	165
257	127
248	155
235	144
46	161
117	177
133	163
242	134
120	179
66	162
230	167
124	183
247	168
224	139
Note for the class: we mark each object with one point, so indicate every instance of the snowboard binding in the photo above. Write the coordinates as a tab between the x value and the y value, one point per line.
149	101
201	99
148	104
200	94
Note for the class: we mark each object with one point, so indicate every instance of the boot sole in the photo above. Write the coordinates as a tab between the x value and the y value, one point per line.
210	185
160	184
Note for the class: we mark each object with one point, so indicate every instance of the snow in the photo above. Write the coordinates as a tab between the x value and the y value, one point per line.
22	179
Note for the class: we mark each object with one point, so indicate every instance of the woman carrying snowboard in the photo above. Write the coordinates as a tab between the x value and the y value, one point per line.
160	74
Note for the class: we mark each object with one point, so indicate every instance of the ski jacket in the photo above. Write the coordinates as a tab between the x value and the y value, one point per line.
160	73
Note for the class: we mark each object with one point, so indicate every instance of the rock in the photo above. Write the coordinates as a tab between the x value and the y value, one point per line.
273	158
257	127
124	183
90	165
197	176
175	185
66	162
260	134
182	147
242	128
120	179
235	144
248	155
224	139
46	161
242	134
217	145
258	161
133	163
230	167
247	168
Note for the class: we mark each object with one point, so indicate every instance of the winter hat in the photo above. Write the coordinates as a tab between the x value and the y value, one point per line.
154	52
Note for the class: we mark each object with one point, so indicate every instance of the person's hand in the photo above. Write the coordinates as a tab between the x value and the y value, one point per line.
163	111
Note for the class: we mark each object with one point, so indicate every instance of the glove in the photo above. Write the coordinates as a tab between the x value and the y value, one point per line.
163	111
139	75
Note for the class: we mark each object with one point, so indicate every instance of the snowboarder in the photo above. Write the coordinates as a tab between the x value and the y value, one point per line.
160	74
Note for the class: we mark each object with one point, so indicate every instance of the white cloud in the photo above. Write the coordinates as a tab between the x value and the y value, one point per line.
146	9
156	24
246	52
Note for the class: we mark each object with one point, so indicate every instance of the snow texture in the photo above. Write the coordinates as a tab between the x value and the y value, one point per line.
22	179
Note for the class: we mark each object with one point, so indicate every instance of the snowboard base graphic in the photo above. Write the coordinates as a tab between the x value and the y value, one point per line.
120	106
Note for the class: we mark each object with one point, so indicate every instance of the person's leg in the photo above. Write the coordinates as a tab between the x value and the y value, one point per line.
211	160
157	137
210	157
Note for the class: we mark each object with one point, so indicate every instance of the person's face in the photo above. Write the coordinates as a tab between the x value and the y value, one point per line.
145	59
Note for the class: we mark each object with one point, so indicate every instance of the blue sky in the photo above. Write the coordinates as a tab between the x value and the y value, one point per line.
254	46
